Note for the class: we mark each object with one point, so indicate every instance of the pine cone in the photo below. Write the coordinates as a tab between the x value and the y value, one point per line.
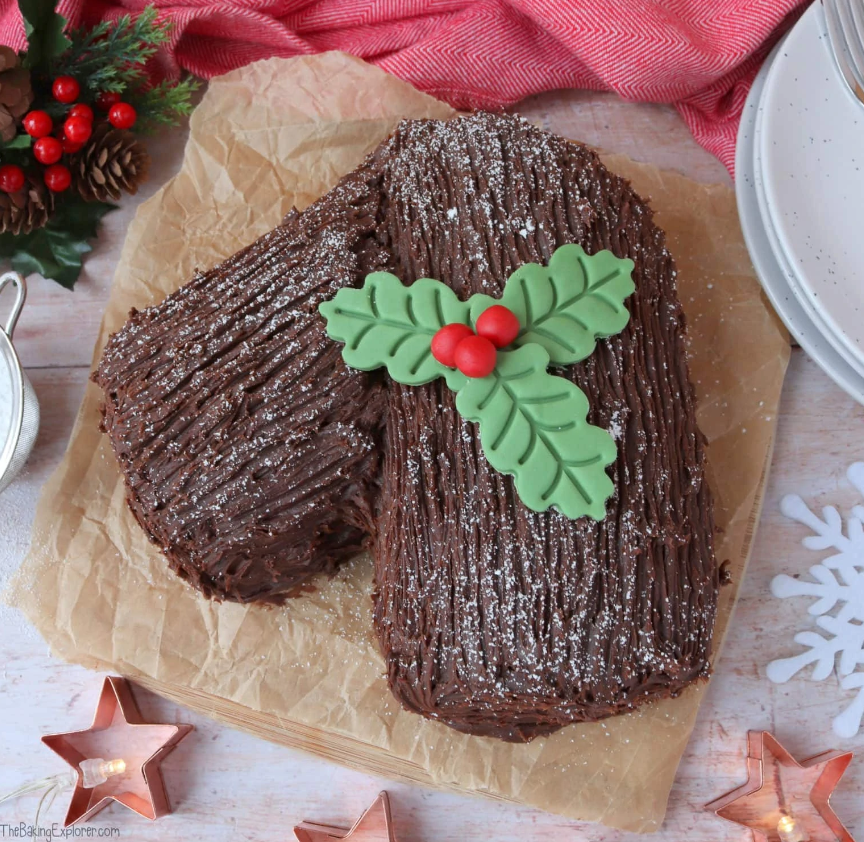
8	58
28	209
16	94
112	162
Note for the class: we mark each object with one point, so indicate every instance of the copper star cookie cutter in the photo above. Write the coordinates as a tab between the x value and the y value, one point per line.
121	753
375	825
783	799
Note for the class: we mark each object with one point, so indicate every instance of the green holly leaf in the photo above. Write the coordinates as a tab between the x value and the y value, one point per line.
44	28
533	426
55	251
387	324
568	305
20	141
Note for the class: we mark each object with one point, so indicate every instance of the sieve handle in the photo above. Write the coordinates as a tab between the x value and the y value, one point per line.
17	281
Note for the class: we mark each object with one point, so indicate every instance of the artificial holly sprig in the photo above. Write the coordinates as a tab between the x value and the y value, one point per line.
495	355
111	56
108	62
67	108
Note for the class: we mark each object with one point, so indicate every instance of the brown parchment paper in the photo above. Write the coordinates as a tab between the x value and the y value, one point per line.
280	133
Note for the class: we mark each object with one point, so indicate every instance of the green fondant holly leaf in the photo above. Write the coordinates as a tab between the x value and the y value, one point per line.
532	425
387	324
568	305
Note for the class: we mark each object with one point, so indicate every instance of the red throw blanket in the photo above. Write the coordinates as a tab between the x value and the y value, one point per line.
699	55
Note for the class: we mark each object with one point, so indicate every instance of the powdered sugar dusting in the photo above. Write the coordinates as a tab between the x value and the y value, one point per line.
495	609
254	453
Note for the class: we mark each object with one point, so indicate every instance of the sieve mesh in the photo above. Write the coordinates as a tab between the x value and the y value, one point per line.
26	436
22	399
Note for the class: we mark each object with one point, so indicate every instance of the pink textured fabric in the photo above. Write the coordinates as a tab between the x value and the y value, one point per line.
699	55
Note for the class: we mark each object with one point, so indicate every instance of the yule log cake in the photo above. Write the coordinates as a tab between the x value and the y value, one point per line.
538	514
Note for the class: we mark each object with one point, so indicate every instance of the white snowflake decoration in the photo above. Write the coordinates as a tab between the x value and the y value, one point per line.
839	607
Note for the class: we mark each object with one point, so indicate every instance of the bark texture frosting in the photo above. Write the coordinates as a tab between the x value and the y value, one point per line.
254	458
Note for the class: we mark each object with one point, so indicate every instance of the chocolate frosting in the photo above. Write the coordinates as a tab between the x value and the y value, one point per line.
254	458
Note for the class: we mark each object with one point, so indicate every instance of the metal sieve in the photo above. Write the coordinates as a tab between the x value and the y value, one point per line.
19	409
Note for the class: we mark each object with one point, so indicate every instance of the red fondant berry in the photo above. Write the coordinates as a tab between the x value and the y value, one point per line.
77	129
38	124
47	150
57	178
475	356
11	178
65	89
82	110
499	325
444	343
106	99
122	115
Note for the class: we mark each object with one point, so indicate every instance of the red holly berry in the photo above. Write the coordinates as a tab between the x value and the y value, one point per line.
122	115
106	99
77	129
82	110
444	343
65	89
38	124
475	356
69	147
499	325
11	178
47	150
58	178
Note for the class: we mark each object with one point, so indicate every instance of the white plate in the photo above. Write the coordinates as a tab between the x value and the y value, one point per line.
811	146
774	280
807	302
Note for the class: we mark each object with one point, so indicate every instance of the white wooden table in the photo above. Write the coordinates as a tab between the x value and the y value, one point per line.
226	785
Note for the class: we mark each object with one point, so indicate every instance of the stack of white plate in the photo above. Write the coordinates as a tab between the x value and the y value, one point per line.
800	186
